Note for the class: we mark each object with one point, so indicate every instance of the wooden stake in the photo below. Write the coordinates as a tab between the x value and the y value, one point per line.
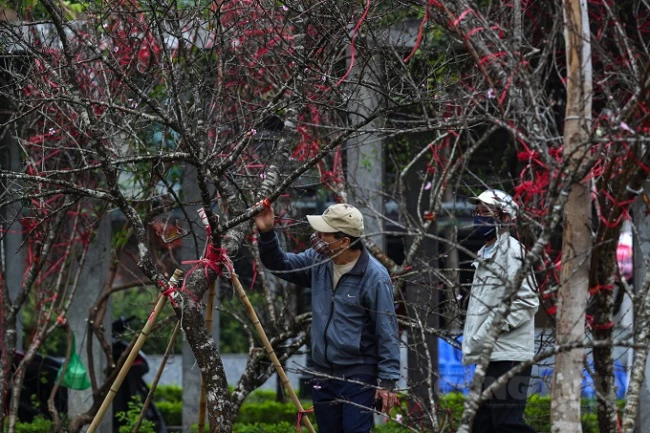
269	350
112	392
203	401
154	384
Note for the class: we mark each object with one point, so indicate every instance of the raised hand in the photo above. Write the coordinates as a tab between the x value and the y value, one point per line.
265	219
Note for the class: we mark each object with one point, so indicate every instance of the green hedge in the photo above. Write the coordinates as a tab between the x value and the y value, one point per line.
538	411
171	393
267	412
260	396
259	407
271	417
38	425
128	419
171	411
260	413
282	427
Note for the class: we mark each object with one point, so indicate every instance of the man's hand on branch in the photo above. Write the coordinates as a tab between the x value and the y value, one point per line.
265	219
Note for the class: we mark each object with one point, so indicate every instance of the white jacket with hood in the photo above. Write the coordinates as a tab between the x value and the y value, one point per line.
516	342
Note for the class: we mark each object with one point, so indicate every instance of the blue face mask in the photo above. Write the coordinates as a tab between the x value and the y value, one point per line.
486	227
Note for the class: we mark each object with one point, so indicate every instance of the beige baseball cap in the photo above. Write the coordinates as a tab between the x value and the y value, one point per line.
340	217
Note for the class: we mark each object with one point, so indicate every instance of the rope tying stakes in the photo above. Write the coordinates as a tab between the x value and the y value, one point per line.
169	294
301	413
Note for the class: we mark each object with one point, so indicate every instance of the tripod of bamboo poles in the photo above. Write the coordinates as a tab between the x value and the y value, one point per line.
260	331
146	330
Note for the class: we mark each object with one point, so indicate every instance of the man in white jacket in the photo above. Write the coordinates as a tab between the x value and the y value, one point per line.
497	263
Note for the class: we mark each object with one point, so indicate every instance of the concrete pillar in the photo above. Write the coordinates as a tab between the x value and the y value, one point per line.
191	373
422	355
422	297
91	283
365	152
13	258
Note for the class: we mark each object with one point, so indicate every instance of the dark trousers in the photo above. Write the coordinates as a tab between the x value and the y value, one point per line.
503	412
333	415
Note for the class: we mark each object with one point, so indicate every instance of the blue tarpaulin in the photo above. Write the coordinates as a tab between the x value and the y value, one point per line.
456	377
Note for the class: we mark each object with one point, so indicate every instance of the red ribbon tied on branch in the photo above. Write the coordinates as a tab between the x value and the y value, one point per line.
216	259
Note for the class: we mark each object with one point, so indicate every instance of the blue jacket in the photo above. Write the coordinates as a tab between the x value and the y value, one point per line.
354	327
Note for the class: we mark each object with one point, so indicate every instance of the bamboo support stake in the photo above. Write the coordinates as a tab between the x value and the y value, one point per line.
269	350
112	392
203	402
154	384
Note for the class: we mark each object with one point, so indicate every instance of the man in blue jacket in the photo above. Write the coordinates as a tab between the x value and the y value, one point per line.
354	340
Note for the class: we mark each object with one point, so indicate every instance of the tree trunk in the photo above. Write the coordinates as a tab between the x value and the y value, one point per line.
576	243
603	360
571	305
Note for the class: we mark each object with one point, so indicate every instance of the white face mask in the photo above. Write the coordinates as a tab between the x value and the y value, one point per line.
320	246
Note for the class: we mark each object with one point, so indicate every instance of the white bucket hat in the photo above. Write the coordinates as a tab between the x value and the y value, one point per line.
498	198
340	217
